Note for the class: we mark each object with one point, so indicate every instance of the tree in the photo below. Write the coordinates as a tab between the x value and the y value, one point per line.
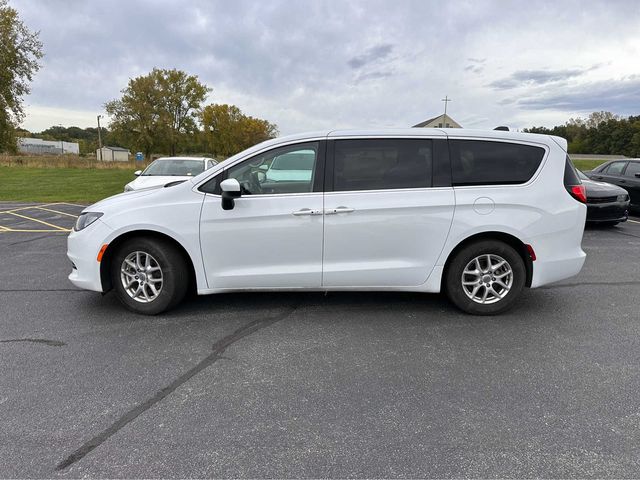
600	133
228	131
20	51
596	118
156	111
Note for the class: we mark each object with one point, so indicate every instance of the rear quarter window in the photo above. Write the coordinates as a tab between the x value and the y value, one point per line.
477	162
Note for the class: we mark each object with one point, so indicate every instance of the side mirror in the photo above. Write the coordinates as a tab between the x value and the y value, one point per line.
230	191
137	173
264	168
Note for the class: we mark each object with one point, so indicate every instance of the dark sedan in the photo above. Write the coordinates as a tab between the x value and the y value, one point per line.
625	173
606	204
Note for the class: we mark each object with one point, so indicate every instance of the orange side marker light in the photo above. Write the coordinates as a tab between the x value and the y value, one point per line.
101	252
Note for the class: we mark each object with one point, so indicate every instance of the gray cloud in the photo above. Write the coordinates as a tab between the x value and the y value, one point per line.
324	64
538	77
372	54
619	96
473	68
373	76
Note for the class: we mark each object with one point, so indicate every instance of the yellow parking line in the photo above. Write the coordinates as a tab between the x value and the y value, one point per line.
19	209
39	221
56	211
65	203
11	230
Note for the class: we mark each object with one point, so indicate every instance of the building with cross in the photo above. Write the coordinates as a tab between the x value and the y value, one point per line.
441	121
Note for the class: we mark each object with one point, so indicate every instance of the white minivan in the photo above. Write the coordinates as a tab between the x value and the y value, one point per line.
476	214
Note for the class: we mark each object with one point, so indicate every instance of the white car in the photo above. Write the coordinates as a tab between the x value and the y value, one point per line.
478	215
169	169
294	166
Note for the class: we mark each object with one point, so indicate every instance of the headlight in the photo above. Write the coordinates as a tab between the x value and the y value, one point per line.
623	197
86	219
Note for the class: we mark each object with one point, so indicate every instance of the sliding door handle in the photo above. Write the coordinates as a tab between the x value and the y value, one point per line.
333	211
307	211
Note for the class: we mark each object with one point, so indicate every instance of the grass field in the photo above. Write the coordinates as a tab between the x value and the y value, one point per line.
585	165
76	185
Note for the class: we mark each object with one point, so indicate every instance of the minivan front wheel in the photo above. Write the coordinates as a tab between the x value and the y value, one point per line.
148	275
485	278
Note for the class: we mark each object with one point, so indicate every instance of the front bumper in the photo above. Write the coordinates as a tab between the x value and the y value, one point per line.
608	212
82	251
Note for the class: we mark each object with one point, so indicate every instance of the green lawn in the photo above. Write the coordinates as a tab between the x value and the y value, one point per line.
585	165
76	185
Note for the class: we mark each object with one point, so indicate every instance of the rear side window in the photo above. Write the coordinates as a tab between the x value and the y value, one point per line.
476	162
615	168
571	175
633	169
378	164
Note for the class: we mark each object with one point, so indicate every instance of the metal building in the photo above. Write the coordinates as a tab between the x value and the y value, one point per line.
113	154
36	146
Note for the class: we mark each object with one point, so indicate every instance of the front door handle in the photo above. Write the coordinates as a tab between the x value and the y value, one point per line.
341	209
307	211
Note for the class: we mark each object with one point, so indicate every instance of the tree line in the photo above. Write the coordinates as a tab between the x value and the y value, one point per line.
20	53
601	133
163	113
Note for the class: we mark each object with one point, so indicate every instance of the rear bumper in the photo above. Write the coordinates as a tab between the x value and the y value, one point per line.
559	251
556	270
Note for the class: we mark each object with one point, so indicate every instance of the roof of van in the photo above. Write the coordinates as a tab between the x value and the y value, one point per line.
423	132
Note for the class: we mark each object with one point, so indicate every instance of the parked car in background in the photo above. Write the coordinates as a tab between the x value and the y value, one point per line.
169	169
479	215
607	204
624	173
293	167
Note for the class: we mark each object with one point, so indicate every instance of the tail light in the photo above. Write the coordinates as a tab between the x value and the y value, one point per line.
572	182
578	192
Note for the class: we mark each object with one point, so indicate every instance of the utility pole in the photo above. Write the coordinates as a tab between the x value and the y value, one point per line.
99	138
61	141
446	100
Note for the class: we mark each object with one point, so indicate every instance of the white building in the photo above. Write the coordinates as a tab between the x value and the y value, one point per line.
113	154
47	147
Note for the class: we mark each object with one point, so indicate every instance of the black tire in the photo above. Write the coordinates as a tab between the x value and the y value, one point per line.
175	276
609	224
453	277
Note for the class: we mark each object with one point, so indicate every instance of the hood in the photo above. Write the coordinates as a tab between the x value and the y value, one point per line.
601	189
121	198
147	181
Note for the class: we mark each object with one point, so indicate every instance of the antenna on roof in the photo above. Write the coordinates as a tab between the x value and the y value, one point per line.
502	128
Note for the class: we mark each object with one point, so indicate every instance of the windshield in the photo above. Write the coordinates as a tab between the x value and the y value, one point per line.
171	167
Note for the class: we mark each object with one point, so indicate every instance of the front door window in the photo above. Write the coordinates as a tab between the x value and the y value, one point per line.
283	170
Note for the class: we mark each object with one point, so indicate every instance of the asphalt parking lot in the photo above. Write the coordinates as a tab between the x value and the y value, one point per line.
308	385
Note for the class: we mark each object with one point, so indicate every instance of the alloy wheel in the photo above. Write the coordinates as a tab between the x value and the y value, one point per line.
141	277
487	279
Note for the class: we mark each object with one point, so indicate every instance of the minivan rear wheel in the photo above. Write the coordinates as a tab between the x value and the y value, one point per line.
149	275
485	277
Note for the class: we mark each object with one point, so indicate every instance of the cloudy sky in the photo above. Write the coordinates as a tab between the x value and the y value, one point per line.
308	65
